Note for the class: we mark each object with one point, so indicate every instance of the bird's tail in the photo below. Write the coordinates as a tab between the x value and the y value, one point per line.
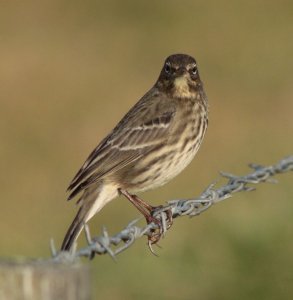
74	230
93	199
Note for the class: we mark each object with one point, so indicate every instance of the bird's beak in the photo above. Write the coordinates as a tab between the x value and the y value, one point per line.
181	72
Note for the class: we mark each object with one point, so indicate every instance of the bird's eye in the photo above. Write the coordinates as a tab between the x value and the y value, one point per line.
167	68
194	70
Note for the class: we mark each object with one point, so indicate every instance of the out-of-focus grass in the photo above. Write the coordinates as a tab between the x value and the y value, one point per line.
70	70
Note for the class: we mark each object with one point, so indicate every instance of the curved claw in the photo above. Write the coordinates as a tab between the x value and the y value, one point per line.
151	248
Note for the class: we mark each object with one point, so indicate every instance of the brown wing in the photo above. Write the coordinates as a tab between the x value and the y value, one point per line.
140	131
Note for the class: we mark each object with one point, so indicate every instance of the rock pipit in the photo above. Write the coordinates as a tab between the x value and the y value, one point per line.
152	143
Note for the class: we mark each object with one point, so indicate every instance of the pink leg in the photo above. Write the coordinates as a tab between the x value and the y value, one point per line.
147	211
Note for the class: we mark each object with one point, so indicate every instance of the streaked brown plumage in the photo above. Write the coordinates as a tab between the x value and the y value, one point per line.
152	143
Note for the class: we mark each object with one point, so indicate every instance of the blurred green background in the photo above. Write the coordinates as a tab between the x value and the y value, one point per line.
71	69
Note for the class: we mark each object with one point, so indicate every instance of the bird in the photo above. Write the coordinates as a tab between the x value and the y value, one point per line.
153	142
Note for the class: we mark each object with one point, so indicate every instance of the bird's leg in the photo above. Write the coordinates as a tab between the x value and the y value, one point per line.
154	209
148	212
141	205
147	206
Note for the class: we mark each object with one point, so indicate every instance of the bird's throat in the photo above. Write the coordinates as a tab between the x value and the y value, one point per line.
181	88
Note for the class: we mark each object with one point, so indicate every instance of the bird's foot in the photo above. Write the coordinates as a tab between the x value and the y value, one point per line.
159	215
165	216
162	217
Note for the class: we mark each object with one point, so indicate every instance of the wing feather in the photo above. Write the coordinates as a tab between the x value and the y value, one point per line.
131	139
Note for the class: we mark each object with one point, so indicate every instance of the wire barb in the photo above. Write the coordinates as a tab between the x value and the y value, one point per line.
113	245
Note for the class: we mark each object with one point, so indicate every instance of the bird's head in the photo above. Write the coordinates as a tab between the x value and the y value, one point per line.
179	76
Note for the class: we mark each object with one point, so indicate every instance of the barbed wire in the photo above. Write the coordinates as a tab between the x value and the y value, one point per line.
114	245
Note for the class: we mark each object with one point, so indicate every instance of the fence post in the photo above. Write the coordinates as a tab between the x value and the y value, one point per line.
44	280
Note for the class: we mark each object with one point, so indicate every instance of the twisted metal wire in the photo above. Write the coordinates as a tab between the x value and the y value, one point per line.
116	244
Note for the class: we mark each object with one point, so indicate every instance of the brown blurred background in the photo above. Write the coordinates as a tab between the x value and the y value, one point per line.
71	69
